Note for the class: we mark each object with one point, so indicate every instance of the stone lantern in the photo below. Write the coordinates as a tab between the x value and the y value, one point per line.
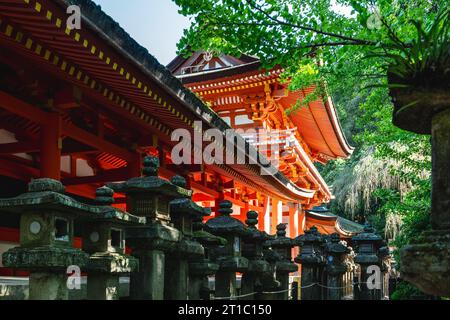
283	246
312	259
104	240
229	257
423	107
385	264
183	212
149	196
253	251
350	273
269	281
200	269
336	267
367	245
46	238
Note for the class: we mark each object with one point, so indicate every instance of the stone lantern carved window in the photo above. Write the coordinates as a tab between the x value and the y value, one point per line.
141	205
366	248
94	237
35	227
237	245
62	229
116	238
307	250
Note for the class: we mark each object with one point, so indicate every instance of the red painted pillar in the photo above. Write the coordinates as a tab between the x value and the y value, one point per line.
135	166
264	219
217	201
51	145
293	220
243	213
301	220
277	215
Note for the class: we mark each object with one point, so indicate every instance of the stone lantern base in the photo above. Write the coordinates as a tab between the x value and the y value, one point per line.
48	269
177	269
104	270
426	263
198	277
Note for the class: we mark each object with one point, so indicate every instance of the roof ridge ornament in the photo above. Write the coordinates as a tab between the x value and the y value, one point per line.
369	228
208	55
151	166
281	230
104	196
225	208
252	219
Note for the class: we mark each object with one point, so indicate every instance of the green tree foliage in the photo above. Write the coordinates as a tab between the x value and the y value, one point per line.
345	48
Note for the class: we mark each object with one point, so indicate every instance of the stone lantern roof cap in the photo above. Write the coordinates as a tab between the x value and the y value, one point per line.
368	235
272	256
202	236
253	234
187	206
48	194
281	241
104	198
225	224
311	236
150	182
336	246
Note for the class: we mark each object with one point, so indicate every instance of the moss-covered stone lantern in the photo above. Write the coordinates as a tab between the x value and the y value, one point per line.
312	259
367	245
183	211
253	251
270	284
202	268
283	246
104	239
422	105
384	255
336	267
230	257
149	196
46	238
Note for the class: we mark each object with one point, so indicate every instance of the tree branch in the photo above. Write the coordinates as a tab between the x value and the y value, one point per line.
292	25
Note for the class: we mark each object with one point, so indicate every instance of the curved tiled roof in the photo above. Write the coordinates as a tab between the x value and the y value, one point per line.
342	225
110	30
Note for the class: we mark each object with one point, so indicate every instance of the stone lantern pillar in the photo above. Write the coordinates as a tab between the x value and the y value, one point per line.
201	268
335	267
349	275
367	245
104	240
268	279
46	238
149	196
283	246
253	251
385	264
183	212
229	257
425	109
312	259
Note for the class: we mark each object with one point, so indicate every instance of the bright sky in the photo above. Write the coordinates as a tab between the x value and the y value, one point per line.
154	24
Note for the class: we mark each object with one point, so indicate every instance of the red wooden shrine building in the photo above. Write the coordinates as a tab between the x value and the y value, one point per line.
84	106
